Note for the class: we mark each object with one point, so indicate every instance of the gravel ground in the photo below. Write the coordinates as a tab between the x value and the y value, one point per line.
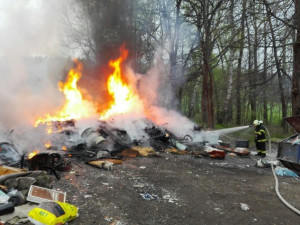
179	189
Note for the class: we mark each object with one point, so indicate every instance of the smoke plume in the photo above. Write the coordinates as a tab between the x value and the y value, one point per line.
31	63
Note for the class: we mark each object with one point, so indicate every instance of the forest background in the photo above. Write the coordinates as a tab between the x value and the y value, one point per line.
230	61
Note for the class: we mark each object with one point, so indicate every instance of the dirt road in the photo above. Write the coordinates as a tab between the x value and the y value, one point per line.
182	190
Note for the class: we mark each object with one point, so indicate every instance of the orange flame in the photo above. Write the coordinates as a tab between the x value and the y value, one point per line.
48	144
124	97
64	148
30	155
75	106
49	127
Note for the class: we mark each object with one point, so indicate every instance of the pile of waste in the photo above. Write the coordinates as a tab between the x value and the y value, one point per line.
26	192
28	195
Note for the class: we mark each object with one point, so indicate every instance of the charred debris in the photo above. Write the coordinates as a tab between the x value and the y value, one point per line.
104	146
27	178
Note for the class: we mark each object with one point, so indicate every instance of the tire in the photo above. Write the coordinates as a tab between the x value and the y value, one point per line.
187	138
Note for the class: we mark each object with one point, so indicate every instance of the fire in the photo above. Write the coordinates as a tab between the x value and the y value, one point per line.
124	97
64	148
49	127
75	106
30	155
48	144
123	94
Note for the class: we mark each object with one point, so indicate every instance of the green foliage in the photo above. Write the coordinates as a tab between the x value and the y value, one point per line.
277	132
222	126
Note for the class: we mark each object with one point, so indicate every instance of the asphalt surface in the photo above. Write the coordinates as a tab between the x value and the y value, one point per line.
179	189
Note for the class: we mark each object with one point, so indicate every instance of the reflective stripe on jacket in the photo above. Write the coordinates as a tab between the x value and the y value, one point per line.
260	133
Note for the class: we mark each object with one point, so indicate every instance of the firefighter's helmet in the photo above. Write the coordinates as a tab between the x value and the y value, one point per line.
256	122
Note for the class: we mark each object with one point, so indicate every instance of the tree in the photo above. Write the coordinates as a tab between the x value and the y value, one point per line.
207	17
239	67
296	71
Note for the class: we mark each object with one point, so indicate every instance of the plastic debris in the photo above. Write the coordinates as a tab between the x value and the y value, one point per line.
244	207
180	146
19	216
52	213
108	165
149	197
281	171
296	141
16	197
6	208
264	163
3	197
103	154
9	155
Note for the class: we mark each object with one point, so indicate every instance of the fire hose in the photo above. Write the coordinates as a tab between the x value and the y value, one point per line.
277	185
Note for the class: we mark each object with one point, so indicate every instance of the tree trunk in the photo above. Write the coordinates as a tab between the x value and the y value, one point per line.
278	68
296	71
175	80
193	100
239	69
255	72
230	72
207	104
250	76
265	103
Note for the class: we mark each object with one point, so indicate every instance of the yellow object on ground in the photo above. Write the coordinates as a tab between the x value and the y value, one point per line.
99	163
52	213
8	170
144	151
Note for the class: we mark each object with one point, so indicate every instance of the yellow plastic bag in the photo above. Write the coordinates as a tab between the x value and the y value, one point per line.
52	213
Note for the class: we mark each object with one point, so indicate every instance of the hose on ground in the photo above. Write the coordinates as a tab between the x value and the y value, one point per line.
279	195
276	182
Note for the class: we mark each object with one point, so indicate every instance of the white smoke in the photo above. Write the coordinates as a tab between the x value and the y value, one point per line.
31	63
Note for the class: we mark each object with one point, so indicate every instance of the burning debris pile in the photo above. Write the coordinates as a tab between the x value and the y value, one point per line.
129	126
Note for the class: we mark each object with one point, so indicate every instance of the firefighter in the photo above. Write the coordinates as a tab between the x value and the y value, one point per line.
260	138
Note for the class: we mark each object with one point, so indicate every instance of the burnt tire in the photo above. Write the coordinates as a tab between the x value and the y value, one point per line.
187	138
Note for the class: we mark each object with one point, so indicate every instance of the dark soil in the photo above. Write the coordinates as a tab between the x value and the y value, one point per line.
186	190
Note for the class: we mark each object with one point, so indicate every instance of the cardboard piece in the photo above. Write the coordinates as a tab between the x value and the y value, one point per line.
39	194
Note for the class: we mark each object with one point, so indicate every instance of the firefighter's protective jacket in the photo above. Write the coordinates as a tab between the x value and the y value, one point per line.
260	133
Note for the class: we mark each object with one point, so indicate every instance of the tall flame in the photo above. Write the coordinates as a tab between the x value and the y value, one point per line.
75	106
124	97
